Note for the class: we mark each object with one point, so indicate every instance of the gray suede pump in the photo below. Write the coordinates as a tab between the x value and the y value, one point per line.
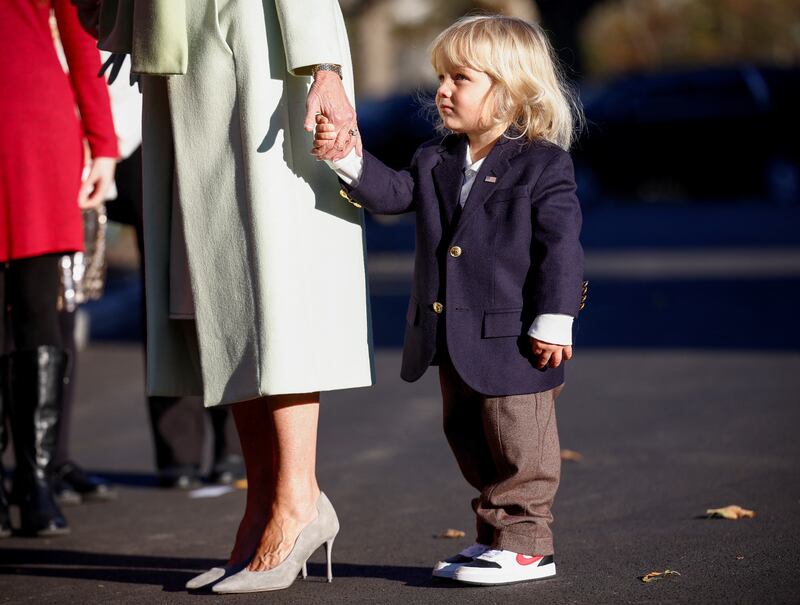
215	574
321	530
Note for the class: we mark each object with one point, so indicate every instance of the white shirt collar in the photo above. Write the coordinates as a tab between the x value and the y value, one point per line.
469	165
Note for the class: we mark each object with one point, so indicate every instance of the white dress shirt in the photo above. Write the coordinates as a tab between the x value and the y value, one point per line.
553	328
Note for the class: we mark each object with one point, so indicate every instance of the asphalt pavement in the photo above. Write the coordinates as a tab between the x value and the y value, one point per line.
664	435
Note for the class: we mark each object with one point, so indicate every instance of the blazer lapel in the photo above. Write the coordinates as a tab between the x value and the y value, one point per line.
447	175
489	177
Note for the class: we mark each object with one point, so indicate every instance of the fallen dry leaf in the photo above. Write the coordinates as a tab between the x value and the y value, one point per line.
658	575
571	455
731	512
451	533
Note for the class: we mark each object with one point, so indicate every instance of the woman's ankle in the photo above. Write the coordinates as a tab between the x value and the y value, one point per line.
300	505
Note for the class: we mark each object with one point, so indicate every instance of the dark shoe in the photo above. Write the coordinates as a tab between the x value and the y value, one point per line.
36	390
227	470
65	495
179	477
88	487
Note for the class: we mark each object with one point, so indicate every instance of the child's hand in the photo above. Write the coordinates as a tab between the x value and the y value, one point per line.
324	133
550	354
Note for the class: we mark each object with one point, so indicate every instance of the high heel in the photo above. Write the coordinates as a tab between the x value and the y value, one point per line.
328	553
321	531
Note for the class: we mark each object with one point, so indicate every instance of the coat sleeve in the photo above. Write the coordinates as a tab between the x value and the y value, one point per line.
313	32
383	190
89	15
556	252
91	91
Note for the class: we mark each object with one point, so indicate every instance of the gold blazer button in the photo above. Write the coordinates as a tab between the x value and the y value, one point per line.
437	307
346	196
455	251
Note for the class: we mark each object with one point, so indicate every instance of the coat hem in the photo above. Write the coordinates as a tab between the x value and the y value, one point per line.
257	395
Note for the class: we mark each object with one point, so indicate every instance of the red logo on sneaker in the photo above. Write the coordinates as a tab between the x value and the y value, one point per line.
528	560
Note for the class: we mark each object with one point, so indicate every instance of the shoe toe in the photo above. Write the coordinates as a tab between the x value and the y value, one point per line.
444	570
238	582
206	578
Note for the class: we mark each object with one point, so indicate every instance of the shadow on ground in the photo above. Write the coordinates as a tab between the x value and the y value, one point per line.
172	573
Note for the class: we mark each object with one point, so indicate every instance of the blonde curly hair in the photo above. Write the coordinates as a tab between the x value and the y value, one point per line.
530	93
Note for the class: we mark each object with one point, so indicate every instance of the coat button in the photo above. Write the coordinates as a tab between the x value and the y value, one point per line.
455	251
437	307
346	196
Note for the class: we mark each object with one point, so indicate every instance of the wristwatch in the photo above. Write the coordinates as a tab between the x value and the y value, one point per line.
326	67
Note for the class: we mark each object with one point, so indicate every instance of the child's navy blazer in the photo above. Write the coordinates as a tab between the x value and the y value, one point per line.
482	274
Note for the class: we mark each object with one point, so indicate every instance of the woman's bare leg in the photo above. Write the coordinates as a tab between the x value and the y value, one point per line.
294	490
257	436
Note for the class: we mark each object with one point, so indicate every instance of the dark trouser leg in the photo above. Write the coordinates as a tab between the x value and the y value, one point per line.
67	325
522	435
5	519
463	427
178	427
72	484
227	464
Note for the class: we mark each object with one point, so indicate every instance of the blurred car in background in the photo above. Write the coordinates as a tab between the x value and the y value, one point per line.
393	127
709	135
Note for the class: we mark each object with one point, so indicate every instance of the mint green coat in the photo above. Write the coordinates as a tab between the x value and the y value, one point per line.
276	261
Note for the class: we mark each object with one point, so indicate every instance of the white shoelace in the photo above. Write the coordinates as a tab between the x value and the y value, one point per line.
491	555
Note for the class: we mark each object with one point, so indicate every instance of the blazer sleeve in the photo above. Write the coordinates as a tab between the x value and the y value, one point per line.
383	190
313	32
91	92
557	255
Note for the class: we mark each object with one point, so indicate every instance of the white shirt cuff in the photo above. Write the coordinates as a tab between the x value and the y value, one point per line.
348	168
554	328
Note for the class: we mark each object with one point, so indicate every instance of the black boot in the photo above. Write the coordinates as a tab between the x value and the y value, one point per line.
5	519
36	389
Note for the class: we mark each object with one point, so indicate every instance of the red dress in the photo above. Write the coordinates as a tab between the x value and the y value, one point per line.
41	135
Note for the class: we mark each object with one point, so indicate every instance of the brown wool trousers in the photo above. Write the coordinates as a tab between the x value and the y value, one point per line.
507	448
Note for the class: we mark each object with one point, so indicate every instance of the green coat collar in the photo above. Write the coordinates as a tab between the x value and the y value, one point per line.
153	32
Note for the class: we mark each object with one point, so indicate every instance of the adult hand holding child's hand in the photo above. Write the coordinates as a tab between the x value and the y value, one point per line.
550	354
327	97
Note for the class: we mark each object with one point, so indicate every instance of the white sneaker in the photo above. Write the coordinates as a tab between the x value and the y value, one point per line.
505	567
445	568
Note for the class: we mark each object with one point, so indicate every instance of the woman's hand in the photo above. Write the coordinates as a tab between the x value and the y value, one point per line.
95	186
327	97
550	354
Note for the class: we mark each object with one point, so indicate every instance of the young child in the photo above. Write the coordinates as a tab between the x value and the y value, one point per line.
498	277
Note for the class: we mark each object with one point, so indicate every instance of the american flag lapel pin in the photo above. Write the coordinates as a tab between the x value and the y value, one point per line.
490	179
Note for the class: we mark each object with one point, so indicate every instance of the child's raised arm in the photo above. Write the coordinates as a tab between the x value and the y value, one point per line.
366	181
